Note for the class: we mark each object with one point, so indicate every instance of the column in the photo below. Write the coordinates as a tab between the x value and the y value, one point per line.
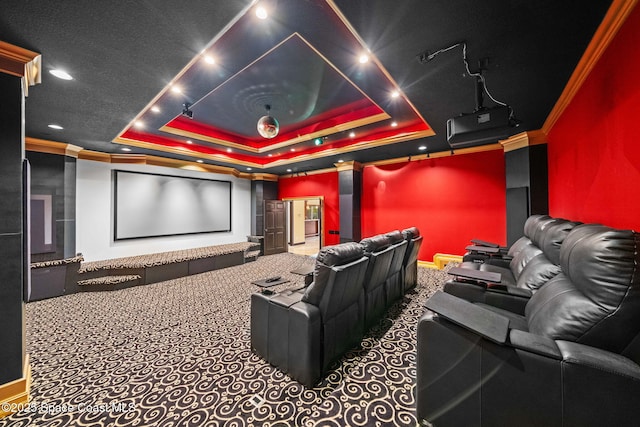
350	191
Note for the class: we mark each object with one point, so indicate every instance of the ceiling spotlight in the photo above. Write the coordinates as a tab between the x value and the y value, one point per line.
209	59
248	169
126	149
61	74
176	89
288	170
394	124
270	155
293	149
261	12
268	127
363	59
200	161
422	147
189	141
352	134
155	109
57	127
318	141
138	124
229	150
186	111
395	94
340	161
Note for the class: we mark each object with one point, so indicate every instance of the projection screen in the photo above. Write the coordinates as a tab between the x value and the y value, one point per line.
150	205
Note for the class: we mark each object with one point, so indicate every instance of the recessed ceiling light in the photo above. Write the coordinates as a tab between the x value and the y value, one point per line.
229	150
189	141
209	59
352	134
293	149
363	59
422	147
340	161
199	161
155	109
270	155
176	89
395	94
126	149
248	169
394	124
261	12
288	170
61	74
138	124
57	127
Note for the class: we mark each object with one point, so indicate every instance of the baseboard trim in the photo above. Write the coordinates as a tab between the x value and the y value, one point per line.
440	261
16	392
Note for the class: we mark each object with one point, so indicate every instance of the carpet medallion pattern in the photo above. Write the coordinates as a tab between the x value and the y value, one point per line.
177	353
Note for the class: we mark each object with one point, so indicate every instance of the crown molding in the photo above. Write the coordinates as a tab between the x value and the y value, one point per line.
524	139
612	22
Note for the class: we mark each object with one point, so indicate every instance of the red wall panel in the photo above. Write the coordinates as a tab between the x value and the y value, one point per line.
326	185
450	199
594	147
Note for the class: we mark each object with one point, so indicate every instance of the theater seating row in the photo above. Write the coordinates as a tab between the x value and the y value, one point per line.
570	357
302	331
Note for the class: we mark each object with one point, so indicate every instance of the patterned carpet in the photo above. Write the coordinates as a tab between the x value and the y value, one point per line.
177	353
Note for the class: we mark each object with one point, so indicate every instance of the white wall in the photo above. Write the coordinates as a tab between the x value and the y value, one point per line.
94	213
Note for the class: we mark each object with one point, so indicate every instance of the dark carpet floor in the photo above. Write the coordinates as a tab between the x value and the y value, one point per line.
177	353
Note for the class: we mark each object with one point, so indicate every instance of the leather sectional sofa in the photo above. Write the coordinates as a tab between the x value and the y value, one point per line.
571	358
303	331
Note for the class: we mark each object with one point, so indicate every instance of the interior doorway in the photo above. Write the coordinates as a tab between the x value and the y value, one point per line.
305	218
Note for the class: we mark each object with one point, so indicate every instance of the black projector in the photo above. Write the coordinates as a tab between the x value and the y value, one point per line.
481	127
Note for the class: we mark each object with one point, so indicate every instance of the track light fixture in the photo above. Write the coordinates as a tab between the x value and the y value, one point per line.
186	111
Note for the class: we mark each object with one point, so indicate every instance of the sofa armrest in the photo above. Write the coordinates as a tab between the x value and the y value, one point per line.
596	358
532	343
483	249
475	275
506	297
480	242
479	320
305	344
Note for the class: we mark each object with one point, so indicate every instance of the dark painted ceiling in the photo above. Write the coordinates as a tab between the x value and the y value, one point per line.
302	61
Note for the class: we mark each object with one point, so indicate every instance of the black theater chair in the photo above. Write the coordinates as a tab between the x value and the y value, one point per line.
488	252
394	286
303	331
410	261
571	360
535	273
380	253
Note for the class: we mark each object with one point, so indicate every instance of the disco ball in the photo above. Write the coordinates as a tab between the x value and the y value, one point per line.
268	127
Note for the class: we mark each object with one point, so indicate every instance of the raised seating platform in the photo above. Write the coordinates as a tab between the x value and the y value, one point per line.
60	277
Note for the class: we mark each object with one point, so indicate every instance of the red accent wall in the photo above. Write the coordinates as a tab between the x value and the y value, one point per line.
450	199
326	185
594	147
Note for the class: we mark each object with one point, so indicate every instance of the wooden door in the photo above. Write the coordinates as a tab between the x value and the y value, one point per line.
275	227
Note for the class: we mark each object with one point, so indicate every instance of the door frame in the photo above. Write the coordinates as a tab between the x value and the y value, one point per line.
321	198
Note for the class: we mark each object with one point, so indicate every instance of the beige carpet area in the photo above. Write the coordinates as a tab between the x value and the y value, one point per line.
177	353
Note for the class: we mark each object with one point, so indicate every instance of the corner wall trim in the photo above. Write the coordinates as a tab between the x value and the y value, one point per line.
16	392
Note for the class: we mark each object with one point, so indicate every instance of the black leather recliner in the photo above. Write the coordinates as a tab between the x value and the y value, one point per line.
410	262
536	272
571	360
394	285
380	253
303	331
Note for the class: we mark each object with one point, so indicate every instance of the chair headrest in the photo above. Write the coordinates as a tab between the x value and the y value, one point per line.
340	254
375	243
552	237
601	262
533	223
411	233
395	236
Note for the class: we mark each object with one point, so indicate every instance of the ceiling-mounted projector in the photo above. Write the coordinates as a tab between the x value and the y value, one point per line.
487	125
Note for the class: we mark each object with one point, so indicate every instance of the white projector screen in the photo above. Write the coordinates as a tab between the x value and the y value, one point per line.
150	205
